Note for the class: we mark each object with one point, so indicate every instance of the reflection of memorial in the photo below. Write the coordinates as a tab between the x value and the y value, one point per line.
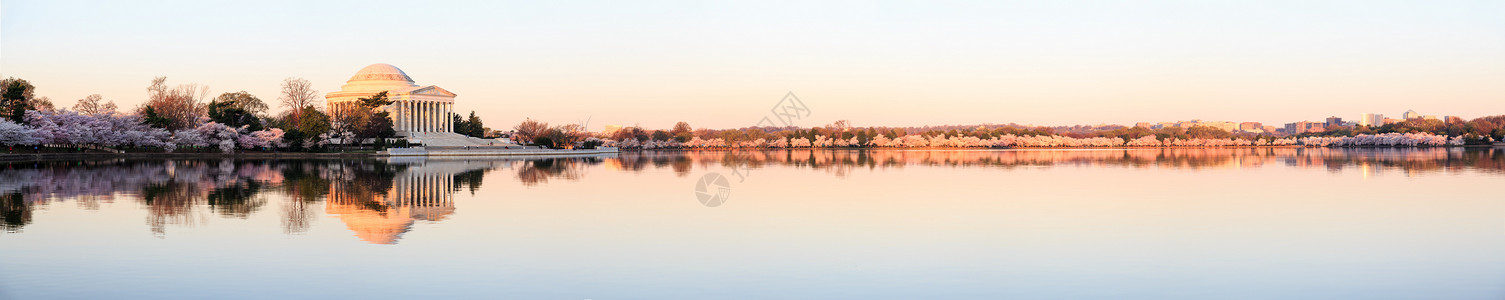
380	205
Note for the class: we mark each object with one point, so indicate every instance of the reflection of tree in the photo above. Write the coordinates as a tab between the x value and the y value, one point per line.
169	202
237	200
361	184
470	180
303	187
16	212
682	165
539	171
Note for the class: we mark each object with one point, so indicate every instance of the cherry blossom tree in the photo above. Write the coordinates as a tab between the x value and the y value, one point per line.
107	129
13	134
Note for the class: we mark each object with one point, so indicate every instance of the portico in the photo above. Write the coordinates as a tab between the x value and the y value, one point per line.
414	110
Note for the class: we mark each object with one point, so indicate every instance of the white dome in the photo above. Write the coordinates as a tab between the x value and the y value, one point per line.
381	72
377	78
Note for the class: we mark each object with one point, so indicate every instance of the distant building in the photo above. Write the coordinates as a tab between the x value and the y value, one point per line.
1251	127
1143	125
1305	127
611	129
1224	125
1372	119
1334	121
1410	114
1391	121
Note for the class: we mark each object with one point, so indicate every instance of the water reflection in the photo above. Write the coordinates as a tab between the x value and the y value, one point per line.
842	162
15	210
379	200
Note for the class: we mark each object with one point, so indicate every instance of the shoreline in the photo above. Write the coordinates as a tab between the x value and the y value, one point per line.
10	157
1064	148
327	155
100	155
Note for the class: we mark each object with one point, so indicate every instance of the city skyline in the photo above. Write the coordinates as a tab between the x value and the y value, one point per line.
896	64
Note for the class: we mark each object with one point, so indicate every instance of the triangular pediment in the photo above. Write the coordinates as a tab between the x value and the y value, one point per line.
432	90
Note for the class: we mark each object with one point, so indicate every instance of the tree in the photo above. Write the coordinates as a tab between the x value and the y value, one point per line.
181	106
12	134
244	101
40	103
473	126
457	124
660	135
298	130
560	137
297	94
107	129
470	126
574	133
151	118
367	122
314	121
682	132
529	130
633	133
235	110
1207	132
15	98
90	105
376	101
840	127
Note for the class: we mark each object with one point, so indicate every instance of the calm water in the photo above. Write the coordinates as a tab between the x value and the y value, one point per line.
1037	224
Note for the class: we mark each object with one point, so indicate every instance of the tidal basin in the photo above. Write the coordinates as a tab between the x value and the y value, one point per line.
1240	223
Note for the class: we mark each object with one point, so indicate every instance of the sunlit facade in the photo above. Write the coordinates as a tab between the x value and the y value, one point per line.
415	109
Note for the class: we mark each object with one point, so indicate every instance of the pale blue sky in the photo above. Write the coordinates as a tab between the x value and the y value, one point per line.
723	65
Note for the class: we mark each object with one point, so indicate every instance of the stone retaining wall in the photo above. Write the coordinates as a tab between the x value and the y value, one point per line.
456	151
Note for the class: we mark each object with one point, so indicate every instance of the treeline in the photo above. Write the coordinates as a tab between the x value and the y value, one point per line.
175	118
1481	130
840	134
